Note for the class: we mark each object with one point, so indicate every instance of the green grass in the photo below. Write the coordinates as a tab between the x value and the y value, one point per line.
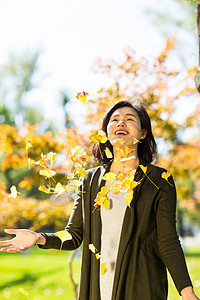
45	274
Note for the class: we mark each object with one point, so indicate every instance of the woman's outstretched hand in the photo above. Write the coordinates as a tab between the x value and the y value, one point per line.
23	240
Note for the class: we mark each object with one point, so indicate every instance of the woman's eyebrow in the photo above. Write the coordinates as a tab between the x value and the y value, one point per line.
125	115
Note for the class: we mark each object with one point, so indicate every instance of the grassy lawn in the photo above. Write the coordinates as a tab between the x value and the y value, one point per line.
45	274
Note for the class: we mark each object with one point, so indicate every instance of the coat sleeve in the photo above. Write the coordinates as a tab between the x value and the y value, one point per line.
74	227
168	242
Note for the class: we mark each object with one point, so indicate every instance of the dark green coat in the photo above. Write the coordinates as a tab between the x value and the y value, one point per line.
149	243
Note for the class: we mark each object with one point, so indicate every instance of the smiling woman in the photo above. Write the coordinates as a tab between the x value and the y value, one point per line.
131	240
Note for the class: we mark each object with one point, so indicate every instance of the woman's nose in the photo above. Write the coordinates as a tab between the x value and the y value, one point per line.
121	123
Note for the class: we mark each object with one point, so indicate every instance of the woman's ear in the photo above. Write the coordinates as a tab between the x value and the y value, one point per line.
144	134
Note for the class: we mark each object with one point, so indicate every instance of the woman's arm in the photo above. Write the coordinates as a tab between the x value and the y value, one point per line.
23	240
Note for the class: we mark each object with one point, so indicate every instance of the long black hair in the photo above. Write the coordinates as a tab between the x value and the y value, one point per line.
147	149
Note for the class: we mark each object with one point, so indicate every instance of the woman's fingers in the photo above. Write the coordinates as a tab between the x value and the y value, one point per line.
5	243
11	231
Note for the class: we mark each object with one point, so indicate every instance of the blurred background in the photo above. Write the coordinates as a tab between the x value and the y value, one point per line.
51	51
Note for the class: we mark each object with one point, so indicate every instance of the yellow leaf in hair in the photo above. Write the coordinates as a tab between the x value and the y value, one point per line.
110	176
47	173
144	169
43	189
64	235
106	204
128	198
28	145
51	156
108	153
103	268
116	187
92	248
82	97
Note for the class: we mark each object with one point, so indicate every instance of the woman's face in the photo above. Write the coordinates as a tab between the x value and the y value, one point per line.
124	124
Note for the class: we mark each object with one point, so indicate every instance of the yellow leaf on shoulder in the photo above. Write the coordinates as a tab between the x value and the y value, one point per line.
144	169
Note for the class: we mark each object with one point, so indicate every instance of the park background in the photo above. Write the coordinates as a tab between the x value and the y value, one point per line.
50	52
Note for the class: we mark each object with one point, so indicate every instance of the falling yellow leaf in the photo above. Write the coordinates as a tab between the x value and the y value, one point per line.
43	189
14	192
110	176
92	248
105	189
127	158
28	145
106	204
51	156
120	176
166	175
78	150
136	141
82	97
98	255
72	185
108	153
30	162
25	293
100	137
116	187
64	235
100	199
128	198
103	268
59	189
47	173
80	170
